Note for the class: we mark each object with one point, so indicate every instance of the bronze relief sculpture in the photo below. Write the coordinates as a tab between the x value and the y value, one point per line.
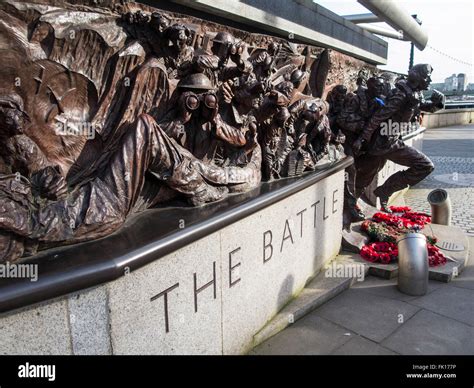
106	112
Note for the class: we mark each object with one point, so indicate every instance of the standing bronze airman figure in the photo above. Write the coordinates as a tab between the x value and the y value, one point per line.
382	136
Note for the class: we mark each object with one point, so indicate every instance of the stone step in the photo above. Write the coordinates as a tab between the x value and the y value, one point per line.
317	292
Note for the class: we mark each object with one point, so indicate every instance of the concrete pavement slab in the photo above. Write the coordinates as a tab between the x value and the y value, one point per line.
310	335
430	333
361	346
372	316
453	302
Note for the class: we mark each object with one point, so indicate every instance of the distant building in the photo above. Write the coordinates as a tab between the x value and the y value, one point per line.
462	82
439	86
470	86
451	83
456	83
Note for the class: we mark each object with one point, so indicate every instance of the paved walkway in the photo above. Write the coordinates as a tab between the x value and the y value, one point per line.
452	151
373	317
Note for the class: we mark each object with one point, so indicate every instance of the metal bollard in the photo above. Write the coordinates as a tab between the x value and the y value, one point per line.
413	266
440	207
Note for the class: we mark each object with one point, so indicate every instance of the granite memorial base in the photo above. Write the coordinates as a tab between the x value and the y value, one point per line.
210	296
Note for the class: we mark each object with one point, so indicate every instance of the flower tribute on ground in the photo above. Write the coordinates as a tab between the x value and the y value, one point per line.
383	230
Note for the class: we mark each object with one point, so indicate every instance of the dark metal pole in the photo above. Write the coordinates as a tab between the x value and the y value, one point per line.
412	55
412	48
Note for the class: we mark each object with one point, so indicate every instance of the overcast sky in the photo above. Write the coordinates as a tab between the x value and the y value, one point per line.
450	29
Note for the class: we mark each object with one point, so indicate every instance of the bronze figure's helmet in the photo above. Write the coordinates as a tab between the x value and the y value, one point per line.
223	42
420	75
224	38
296	76
197	81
